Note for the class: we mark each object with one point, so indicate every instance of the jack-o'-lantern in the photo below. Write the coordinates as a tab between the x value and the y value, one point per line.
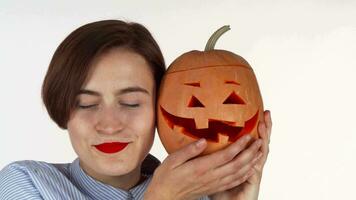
210	94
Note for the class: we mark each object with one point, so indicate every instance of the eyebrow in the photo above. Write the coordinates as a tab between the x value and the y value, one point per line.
119	92
132	89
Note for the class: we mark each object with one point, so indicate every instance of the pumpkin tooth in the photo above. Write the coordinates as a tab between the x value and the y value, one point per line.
170	124
178	129
239	124
222	138
235	124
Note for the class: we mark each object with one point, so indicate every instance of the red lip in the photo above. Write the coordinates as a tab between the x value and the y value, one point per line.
112	147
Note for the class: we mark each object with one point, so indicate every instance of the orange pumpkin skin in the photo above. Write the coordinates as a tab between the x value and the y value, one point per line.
212	94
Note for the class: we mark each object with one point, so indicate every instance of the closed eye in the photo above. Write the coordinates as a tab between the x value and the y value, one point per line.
130	105
87	106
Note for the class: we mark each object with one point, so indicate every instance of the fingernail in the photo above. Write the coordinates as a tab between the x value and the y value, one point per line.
200	142
247	137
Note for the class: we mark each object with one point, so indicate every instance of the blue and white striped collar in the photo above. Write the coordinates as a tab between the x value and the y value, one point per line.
98	190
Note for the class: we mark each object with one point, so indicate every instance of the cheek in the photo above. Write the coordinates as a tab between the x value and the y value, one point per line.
142	127
79	126
142	120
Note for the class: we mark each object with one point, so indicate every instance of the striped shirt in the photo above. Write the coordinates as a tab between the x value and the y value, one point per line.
40	180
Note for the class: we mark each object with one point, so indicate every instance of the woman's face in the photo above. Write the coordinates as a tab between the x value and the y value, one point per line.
112	127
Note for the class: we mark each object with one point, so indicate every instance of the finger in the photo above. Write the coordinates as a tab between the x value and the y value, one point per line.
211	184
267	118
221	157
241	173
262	129
245	158
236	182
224	183
187	152
268	121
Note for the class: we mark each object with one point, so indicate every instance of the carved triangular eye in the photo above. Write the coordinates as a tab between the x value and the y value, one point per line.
194	102
233	98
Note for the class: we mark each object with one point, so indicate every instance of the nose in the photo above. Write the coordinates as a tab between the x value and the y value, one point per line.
109	122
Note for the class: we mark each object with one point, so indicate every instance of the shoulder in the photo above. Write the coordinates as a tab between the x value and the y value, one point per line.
20	170
21	179
15	181
28	167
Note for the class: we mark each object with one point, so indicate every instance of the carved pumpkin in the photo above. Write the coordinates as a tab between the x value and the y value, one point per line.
210	94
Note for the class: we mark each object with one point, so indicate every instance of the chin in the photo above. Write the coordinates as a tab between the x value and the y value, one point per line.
117	171
116	166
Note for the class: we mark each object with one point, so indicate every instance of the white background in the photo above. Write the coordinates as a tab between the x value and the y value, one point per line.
303	54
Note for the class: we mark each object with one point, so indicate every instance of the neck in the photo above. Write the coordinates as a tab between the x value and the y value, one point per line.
125	182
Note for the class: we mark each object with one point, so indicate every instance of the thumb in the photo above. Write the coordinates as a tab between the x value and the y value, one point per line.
187	152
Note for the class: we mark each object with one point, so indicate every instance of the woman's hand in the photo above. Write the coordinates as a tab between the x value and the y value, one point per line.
249	190
182	176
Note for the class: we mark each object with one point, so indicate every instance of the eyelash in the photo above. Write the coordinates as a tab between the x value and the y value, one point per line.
87	107
130	105
123	104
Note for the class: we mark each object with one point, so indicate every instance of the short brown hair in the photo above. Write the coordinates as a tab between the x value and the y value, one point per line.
71	62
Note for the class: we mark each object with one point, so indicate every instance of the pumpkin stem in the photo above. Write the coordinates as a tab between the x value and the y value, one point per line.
216	35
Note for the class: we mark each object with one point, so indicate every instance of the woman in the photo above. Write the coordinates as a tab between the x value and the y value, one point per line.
101	86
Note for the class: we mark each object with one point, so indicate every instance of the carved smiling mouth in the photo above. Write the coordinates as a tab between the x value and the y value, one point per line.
216	127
